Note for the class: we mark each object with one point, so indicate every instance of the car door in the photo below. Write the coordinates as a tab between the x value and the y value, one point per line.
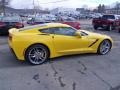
66	42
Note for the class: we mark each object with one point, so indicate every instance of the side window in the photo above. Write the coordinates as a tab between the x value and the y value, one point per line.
108	17
118	17
49	31
54	29
65	31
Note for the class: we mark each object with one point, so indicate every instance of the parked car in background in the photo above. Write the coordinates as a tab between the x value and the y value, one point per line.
95	15
36	20
74	24
65	20
117	24
10	22
1	17
70	21
106	22
49	17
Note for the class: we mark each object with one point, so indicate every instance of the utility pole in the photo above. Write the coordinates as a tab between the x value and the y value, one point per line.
34	7
3	6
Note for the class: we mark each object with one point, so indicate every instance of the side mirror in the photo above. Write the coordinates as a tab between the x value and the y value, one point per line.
78	34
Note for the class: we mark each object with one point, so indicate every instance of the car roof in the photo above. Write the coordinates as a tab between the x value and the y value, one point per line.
11	18
45	25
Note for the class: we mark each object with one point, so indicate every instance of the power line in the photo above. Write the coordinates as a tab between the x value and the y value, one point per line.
3	6
38	3
54	1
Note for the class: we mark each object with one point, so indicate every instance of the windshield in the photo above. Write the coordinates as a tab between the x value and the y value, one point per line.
108	17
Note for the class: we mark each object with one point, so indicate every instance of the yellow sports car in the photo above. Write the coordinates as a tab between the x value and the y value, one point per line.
38	43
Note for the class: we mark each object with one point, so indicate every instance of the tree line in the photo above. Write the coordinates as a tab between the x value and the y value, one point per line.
102	8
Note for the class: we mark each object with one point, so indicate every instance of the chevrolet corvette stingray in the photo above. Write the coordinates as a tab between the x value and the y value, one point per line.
38	43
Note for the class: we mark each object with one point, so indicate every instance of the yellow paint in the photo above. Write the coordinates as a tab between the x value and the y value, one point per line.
58	46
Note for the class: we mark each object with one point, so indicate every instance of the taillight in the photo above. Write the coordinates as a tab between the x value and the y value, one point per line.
109	21
2	24
19	25
79	26
10	37
117	23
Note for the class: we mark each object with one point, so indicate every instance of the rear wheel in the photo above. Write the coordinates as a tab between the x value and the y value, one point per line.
119	30
95	27
37	54
104	47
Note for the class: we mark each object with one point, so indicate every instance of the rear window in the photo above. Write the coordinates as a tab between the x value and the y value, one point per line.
108	17
38	19
11	19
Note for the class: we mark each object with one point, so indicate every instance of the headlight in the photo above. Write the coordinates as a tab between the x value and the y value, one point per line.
117	23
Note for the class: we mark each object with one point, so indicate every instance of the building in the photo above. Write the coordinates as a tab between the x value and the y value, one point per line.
64	11
9	10
112	11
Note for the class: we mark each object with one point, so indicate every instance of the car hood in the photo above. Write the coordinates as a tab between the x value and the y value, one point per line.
96	35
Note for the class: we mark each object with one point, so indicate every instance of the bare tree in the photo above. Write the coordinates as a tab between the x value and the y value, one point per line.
101	8
3	4
117	7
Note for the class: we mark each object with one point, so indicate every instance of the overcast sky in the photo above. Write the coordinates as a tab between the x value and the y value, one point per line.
61	3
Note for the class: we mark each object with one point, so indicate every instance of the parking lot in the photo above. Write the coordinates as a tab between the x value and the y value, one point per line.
78	72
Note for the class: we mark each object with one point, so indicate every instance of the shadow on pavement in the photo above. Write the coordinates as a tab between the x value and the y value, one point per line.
8	60
73	57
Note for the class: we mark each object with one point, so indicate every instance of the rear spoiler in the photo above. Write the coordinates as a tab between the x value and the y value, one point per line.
13	30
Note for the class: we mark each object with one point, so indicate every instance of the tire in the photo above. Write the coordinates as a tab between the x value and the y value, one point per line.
95	27
119	31
102	50
109	28
37	54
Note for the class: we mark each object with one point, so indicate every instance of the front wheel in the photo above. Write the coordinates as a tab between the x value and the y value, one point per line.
109	28
104	47
37	54
95	27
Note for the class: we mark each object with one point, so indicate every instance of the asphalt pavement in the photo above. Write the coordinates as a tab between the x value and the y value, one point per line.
77	72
